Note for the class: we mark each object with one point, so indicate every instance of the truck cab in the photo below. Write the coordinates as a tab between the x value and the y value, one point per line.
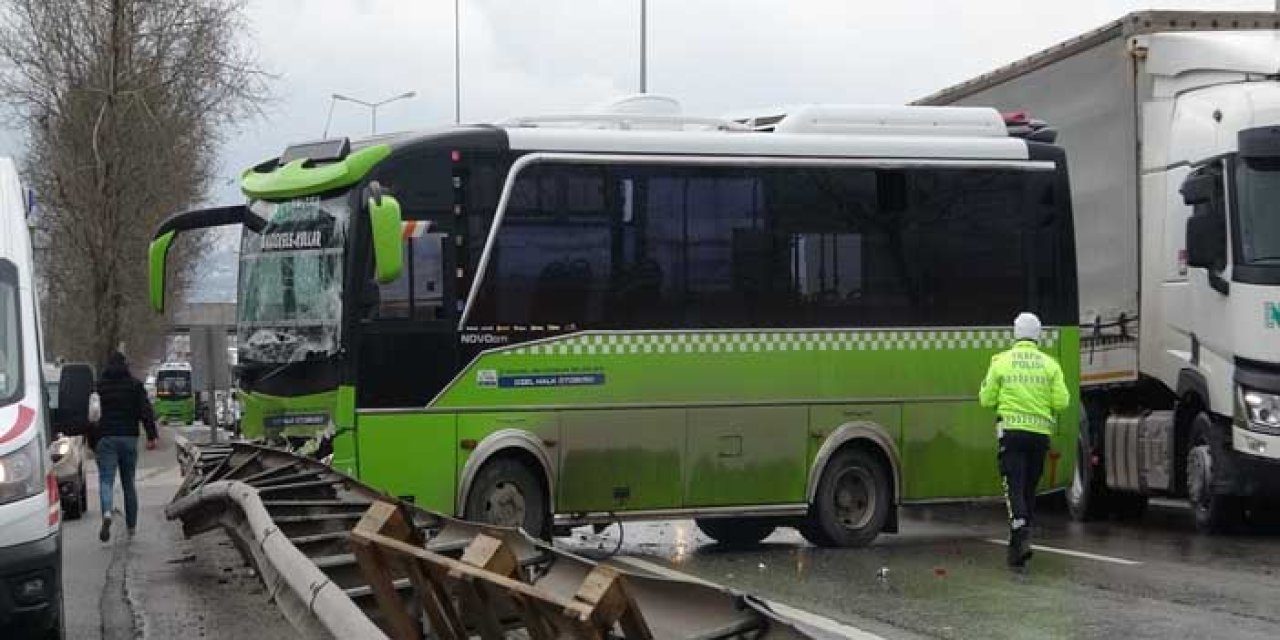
1211	181
1171	124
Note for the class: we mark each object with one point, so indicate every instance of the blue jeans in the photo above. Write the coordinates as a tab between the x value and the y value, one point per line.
118	452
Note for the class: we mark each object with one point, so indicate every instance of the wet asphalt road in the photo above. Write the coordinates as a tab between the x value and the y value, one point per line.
944	577
159	585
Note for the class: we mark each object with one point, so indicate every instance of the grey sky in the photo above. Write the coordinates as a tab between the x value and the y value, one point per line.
527	56
716	56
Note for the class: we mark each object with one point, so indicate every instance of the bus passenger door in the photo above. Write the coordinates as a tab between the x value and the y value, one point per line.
407	352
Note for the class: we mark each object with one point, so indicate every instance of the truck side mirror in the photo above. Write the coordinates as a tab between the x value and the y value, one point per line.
74	386
1206	241
1199	188
385	229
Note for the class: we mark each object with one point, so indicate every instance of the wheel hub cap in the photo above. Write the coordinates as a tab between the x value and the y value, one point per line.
505	506
1198	471
855	500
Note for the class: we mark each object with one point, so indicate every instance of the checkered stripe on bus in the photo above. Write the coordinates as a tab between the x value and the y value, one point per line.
713	342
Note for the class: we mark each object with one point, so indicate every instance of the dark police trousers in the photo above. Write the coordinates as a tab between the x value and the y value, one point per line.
1021	460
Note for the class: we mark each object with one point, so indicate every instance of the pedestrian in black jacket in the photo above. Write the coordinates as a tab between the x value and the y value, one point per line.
124	405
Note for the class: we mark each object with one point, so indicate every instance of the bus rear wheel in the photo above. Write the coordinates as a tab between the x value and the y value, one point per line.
736	532
508	493
852	503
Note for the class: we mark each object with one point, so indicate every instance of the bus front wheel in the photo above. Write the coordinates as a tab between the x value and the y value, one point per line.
852	503
508	493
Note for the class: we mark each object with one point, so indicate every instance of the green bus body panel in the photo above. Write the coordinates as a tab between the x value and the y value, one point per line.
157	254
746	455
182	410
731	367
621	460
824	420
955	442
656	420
295	179
346	451
257	408
408	454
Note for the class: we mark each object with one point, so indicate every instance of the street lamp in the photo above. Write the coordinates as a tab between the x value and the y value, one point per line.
373	108
644	46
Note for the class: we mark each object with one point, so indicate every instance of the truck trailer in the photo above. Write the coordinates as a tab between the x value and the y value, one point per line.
1171	124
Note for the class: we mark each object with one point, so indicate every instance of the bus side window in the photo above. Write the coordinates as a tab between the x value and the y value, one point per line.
419	291
428	277
393	297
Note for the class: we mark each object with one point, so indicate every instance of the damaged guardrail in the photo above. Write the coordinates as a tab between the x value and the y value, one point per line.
344	561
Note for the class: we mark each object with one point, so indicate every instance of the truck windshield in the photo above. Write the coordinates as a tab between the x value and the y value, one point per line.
10	344
176	384
290	292
1258	193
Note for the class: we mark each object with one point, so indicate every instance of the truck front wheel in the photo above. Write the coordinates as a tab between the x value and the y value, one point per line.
1214	513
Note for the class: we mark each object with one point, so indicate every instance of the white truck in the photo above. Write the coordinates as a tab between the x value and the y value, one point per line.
1171	124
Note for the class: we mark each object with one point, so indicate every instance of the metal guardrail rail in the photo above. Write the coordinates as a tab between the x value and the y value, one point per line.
344	561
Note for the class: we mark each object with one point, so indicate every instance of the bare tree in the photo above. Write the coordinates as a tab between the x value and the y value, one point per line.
124	103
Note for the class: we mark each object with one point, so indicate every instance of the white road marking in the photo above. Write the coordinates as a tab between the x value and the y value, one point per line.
818	622
1072	553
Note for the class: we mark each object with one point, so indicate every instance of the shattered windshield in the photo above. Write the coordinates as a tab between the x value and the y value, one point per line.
290	290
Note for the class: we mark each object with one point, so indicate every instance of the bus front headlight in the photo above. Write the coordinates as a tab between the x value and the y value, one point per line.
1263	410
20	473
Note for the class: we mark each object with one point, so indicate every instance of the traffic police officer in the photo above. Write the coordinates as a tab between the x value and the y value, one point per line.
1024	385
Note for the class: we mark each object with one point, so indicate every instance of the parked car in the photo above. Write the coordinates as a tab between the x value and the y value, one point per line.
68	452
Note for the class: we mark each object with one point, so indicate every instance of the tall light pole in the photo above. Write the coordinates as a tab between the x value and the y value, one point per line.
457	63
373	107
644	45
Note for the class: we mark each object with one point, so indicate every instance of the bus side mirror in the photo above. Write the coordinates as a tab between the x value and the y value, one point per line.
157	254
385	229
74	386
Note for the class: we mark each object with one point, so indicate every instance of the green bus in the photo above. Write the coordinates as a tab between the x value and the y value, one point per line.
554	321
174	401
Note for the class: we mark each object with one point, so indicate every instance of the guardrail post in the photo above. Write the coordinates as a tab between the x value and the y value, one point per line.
605	591
385	519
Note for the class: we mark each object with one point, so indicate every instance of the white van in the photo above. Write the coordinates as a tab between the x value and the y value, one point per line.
30	514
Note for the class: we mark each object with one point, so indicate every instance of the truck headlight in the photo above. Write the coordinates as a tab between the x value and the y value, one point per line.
21	475
1263	410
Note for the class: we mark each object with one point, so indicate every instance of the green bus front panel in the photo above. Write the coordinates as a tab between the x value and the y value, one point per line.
262	415
180	410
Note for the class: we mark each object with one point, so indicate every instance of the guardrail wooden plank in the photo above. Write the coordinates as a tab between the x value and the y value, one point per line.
385	517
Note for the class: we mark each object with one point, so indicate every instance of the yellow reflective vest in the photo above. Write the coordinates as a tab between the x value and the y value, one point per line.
1025	387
